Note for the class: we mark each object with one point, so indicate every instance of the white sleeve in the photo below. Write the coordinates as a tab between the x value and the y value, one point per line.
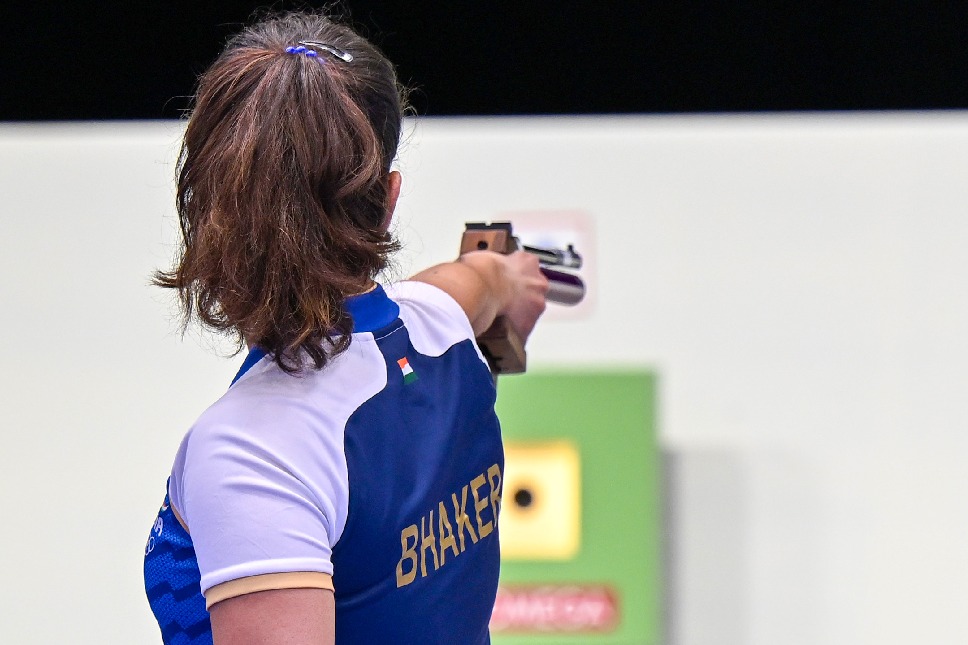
432	316
261	490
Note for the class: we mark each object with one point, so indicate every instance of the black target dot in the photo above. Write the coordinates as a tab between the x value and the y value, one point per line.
482	245
523	497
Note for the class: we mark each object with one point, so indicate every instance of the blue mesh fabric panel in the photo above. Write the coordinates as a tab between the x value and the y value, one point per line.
172	583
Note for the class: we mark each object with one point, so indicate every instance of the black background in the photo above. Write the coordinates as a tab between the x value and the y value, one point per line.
139	60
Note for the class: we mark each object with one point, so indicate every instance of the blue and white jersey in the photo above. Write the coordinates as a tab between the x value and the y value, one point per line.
378	476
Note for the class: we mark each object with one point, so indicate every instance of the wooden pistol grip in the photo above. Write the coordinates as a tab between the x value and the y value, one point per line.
501	346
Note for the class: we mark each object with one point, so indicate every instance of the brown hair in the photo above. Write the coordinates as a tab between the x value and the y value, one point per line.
283	187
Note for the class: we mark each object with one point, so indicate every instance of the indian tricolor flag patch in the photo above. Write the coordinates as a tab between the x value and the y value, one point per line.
409	376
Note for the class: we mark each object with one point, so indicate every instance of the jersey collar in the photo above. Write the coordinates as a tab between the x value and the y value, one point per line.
370	311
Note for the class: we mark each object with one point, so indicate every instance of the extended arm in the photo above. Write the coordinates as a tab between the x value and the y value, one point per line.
487	285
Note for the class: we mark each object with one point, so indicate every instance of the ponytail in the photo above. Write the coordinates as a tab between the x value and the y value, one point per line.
283	187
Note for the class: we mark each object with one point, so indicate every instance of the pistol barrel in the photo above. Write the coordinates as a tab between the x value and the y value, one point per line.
567	258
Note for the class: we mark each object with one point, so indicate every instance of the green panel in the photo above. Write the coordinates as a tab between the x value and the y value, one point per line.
611	418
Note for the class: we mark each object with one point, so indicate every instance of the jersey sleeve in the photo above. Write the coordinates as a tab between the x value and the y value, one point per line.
264	499
432	314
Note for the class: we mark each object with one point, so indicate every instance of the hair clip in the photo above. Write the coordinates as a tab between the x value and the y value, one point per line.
311	53
344	56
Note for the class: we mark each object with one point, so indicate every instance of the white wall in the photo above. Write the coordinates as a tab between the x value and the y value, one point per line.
796	281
